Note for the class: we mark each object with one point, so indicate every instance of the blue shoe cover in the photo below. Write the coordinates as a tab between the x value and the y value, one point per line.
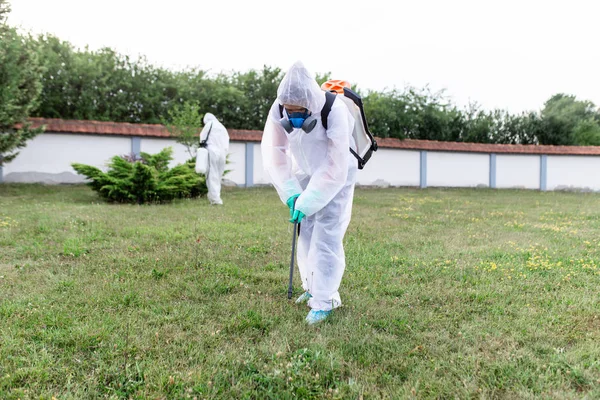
304	297
316	316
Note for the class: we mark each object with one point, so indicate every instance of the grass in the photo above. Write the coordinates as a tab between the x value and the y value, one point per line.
447	294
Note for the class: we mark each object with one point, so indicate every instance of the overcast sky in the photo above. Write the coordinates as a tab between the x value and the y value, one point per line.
510	54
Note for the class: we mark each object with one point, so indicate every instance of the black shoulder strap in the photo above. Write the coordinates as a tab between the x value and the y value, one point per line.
203	142
280	111
329	99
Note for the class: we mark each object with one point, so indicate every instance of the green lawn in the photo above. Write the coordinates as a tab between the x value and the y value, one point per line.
447	294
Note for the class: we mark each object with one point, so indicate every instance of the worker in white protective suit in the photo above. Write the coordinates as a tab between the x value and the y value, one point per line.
216	139
314	174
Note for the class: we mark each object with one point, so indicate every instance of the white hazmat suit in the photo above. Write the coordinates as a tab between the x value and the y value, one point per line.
217	145
318	166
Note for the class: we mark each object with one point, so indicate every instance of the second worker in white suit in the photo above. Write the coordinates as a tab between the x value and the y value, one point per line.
216	139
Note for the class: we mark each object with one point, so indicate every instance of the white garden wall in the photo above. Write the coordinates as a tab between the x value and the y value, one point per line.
237	163
517	171
446	169
48	157
392	167
573	172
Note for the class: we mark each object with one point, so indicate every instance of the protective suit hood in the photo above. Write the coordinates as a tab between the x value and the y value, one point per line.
209	117
299	88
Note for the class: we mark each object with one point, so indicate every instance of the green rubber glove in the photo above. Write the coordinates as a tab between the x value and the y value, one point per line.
297	216
290	203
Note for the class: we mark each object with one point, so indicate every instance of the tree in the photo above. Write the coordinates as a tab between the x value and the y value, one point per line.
388	114
20	86
587	133
568	121
102	85
322	78
523	128
477	125
259	90
184	124
105	85
413	114
4	10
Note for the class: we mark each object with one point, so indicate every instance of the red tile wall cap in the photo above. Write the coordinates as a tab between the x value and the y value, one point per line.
242	135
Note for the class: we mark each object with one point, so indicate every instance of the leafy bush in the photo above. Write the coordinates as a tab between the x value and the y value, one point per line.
147	179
